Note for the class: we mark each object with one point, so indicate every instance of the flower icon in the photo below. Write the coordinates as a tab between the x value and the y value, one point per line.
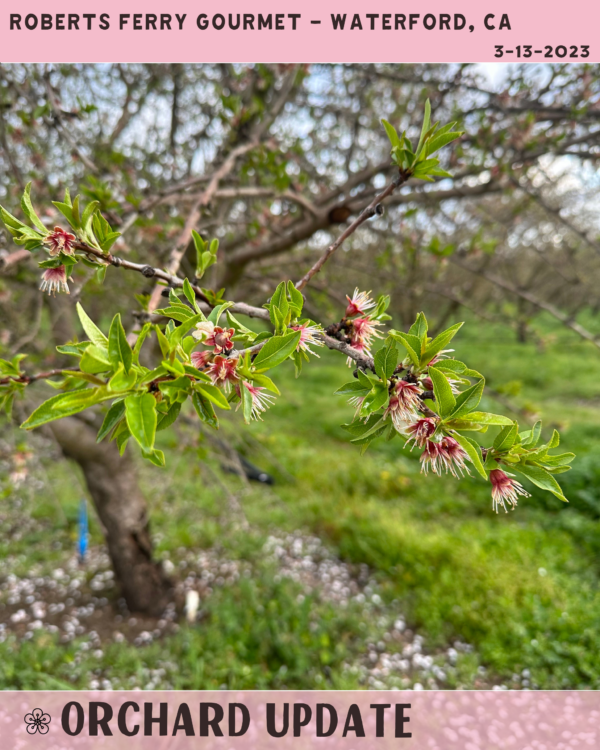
37	721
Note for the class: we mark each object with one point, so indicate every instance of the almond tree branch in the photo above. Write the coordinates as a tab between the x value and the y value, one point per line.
371	210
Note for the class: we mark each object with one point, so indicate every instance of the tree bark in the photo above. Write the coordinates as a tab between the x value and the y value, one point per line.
122	509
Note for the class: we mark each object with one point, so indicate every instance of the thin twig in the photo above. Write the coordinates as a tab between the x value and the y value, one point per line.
371	210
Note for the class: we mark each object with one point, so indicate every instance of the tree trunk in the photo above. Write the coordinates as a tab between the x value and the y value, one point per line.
121	507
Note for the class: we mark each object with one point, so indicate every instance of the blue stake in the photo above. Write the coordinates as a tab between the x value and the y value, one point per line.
83	531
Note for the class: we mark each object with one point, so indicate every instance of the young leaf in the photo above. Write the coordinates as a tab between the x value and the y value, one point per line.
28	209
411	343
119	351
276	350
439	343
64	405
385	361
426	125
542	479
443	392
482	417
468	399
155	456
297	300
264	381
214	394
140	412
205	410
473	451
95	335
391	133
506	438
166	420
190	294
419	328
112	418
354	388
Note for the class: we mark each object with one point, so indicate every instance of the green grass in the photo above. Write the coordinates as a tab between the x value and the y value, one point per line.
521	588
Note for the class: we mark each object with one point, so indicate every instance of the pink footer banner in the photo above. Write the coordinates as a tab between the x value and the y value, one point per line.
335	720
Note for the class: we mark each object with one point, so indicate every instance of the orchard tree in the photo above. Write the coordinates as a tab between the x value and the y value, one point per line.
404	385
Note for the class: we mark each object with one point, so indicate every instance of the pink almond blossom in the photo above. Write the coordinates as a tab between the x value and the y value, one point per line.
54	280
447	456
200	359
363	332
420	431
505	490
359	303
308	337
261	398
59	241
222	371
403	405
220	338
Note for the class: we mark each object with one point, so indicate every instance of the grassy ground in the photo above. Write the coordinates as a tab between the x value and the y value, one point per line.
487	600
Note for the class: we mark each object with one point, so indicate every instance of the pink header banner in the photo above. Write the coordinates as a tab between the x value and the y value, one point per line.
309	31
333	720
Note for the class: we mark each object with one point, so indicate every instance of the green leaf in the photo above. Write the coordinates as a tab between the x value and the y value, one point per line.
216	312
166	420
29	211
419	328
391	133
64	405
468	400
297	300
112	418
411	343
444	397
439	141
506	438
214	394
119	351
276	350
482	417
354	388
190	294
176	336
473	451
95	335
88	213
439	343
386	360
141	419
205	410
10	221
426	125
121	380
561	460
264	382
358	428
554	440
377	399
121	436
76	221
530	438
66	210
155	456
542	479
142	335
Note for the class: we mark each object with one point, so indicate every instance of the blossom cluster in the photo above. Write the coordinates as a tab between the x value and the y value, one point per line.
408	387
361	326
